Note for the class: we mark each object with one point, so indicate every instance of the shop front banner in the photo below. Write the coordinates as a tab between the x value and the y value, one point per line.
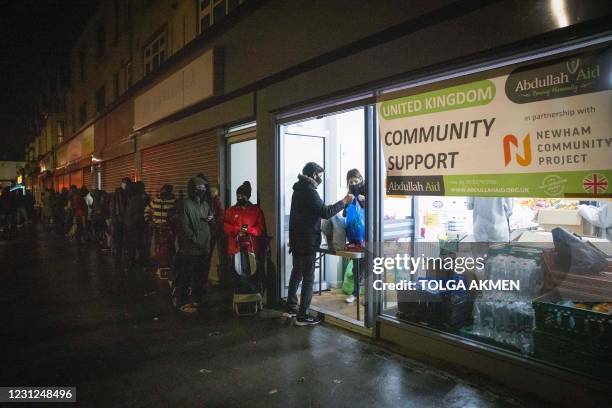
543	130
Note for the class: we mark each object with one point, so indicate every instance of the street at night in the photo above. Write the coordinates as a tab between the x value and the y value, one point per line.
271	203
69	318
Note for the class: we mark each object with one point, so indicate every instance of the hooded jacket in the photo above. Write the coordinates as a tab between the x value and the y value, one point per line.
192	225
307	209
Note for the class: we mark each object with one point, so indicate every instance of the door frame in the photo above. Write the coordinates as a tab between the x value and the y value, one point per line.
372	160
282	197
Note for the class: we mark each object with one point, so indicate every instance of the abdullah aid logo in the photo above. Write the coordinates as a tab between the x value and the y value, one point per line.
511	143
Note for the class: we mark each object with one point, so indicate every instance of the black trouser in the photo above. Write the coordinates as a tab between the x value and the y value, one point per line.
190	275
303	271
213	243
136	242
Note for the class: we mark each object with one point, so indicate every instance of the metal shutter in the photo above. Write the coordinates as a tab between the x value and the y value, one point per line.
114	170
76	178
88	177
176	162
62	181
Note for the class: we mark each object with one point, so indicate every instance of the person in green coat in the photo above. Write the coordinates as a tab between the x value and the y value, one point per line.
193	216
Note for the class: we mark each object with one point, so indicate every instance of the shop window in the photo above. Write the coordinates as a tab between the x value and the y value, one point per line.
155	53
496	219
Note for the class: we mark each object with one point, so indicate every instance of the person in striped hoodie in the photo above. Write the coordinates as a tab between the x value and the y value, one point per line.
161	212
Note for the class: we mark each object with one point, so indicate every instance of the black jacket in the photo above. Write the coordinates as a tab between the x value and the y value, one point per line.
118	205
307	209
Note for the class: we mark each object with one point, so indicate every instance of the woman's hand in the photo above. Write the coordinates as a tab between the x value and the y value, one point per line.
361	198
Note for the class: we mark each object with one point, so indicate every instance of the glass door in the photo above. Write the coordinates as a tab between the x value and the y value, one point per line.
300	146
337	141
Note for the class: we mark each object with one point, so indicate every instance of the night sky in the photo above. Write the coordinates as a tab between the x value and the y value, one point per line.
34	36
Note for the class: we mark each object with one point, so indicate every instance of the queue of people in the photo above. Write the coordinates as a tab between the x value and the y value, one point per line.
184	231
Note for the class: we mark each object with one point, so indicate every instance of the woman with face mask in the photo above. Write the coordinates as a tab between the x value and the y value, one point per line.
356	186
243	222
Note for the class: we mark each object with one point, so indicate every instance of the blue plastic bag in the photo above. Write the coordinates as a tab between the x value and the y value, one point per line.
355	224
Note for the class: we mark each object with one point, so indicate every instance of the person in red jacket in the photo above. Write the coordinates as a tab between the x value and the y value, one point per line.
79	212
243	220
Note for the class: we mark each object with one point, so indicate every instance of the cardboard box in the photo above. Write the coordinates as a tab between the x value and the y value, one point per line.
568	219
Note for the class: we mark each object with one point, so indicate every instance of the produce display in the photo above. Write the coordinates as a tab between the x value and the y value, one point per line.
605	308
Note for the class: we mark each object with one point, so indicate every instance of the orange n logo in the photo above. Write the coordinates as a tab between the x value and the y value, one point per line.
524	160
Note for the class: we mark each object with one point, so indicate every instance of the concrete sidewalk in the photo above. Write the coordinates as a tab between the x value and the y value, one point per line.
70	319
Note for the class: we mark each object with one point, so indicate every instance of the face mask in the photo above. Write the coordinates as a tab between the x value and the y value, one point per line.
356	189
200	194
123	186
242	202
318	179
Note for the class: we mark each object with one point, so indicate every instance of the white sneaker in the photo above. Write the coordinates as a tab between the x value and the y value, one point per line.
350	299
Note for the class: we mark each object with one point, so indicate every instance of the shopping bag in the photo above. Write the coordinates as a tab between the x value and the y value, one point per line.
348	286
575	255
355	224
245	261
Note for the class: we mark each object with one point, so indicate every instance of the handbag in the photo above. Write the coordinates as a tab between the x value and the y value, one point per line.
245	261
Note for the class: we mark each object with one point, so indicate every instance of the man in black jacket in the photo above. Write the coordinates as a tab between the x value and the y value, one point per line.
307	209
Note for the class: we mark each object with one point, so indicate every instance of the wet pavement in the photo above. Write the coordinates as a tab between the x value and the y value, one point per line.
70	320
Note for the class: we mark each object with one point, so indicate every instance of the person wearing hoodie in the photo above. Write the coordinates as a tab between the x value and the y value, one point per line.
244	219
307	210
244	225
193	217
